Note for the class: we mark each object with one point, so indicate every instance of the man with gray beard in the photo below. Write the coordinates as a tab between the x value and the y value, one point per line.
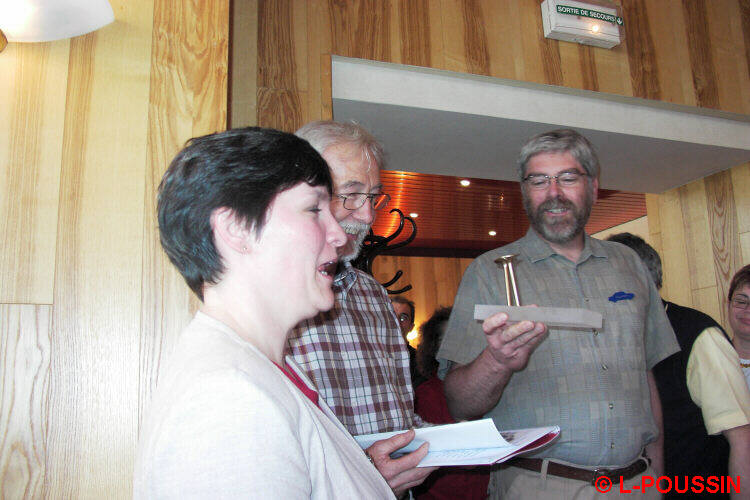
597	385
355	352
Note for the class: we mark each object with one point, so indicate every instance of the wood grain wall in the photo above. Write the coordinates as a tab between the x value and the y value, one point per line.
88	305
693	52
434	280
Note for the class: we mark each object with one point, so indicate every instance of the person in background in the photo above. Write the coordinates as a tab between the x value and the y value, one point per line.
596	384
244	215
355	352
738	310
705	439
448	483
404	309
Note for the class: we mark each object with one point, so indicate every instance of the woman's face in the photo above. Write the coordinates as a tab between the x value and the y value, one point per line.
739	318
297	250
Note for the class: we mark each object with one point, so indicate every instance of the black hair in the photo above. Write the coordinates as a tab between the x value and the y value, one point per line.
741	278
430	335
241	169
400	299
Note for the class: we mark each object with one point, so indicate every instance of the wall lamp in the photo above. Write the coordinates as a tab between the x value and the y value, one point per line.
47	20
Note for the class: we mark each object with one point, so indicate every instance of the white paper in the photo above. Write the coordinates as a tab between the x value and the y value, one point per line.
466	443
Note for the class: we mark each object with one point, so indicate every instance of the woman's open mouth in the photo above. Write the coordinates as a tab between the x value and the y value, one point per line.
328	269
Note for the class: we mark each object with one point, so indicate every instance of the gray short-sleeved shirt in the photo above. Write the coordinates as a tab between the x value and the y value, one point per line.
590	383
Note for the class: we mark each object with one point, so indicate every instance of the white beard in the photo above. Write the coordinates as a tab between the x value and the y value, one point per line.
360	230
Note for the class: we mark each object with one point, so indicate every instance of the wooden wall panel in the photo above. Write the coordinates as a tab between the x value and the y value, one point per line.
669	68
244	77
93	425
414	40
704	239
745	248
675	262
503	42
694	208
24	374
641	51
89	125
319	105
701	58
434	280
31	122
744	6
724	236
282	64
741	188
724	22
197	107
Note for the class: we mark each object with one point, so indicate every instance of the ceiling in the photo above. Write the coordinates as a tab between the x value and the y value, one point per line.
449	143
438	127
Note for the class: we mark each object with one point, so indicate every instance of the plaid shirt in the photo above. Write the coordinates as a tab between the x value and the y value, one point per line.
357	357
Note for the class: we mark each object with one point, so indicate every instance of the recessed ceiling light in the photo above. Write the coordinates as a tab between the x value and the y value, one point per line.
595	28
465	182
492	233
413	215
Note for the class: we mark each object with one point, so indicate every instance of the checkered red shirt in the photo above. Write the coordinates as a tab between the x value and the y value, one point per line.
357	357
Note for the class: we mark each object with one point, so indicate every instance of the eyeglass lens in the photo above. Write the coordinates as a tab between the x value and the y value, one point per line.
354	201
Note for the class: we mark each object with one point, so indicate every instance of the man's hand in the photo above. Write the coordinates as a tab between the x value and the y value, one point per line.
511	344
400	473
473	390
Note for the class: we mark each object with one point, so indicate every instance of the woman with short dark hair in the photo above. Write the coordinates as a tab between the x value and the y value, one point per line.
244	216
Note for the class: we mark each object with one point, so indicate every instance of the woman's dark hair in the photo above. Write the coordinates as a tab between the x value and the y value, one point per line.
430	333
241	169
741	278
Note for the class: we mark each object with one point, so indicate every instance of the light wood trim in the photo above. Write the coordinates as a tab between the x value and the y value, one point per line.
33	87
25	349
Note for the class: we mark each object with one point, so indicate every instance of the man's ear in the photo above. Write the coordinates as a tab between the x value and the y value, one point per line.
230	230
595	187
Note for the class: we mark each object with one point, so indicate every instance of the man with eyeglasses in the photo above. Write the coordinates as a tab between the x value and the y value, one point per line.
404	309
595	384
355	352
705	401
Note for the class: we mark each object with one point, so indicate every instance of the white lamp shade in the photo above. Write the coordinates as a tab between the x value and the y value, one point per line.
47	20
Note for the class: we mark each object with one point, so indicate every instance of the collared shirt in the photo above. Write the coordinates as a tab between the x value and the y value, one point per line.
716	382
357	357
592	383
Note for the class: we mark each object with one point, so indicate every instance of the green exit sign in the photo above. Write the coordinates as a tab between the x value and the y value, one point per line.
593	14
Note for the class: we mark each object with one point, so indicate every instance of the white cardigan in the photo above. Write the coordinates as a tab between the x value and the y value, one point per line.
225	422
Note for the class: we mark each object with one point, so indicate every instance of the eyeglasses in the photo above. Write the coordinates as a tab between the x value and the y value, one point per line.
353	201
740	302
542	181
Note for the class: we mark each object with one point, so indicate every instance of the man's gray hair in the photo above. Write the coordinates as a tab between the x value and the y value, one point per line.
560	141
646	252
323	134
